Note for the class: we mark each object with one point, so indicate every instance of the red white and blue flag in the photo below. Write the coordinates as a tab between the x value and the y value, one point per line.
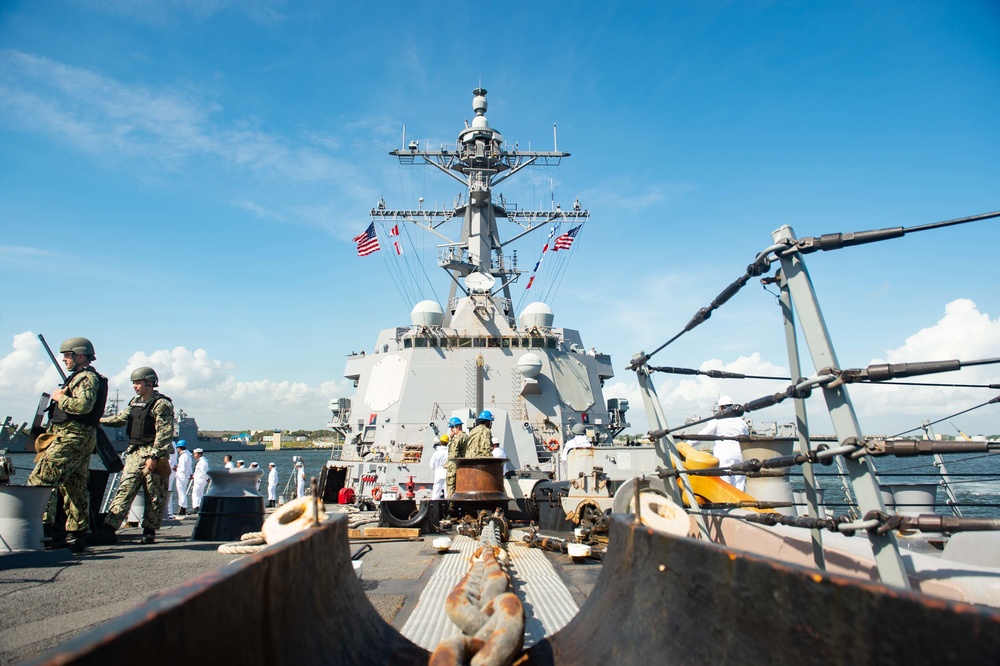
367	242
566	240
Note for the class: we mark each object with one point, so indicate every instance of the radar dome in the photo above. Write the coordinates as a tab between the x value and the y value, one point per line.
529	365
537	314
427	313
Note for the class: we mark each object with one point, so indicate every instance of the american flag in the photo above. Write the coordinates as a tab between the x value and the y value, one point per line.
564	241
367	242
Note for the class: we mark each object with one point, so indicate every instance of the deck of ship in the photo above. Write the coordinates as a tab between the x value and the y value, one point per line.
49	598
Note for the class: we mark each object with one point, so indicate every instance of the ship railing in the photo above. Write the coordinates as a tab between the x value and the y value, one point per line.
797	295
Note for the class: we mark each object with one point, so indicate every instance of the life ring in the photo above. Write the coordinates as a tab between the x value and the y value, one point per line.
376	493
552	445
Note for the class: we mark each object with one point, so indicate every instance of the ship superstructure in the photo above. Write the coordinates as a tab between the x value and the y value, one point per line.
473	354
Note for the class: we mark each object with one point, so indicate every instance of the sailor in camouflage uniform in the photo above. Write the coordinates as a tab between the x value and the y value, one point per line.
456	449
481	437
76	408
149	421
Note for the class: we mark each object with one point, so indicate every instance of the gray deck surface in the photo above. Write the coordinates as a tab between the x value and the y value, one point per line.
60	595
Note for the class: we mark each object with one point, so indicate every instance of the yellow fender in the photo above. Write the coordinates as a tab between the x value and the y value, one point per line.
708	488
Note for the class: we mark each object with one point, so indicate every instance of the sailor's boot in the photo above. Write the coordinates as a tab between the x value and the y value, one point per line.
149	535
183	512
76	541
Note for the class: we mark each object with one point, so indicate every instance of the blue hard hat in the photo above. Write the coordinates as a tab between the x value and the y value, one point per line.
182	443
486	415
454	421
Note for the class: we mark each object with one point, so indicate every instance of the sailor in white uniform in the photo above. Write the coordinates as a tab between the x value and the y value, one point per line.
272	485
499	452
437	462
254	465
300	480
728	450
185	468
579	441
170	485
200	484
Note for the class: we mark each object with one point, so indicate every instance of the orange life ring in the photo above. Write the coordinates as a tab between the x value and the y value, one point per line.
376	493
552	445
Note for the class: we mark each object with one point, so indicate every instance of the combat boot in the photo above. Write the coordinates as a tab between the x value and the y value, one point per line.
76	541
56	537
149	535
104	536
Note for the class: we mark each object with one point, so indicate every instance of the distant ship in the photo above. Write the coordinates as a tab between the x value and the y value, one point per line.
185	427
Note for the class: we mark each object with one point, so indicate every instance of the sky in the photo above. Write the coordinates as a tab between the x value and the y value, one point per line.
180	182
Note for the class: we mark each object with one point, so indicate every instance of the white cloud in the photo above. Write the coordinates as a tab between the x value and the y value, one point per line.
963	333
25	373
684	396
205	388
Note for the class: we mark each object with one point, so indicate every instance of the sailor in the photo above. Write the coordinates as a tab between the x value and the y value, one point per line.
227	461
437	464
272	485
300	480
199	484
169	501
255	466
185	471
240	464
499	452
149	422
72	434
728	450
579	441
481	437
457	441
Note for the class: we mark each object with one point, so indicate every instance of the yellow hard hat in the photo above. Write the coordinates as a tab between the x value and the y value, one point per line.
444	438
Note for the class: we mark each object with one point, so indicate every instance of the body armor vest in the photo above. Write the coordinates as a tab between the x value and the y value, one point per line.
141	426
91	418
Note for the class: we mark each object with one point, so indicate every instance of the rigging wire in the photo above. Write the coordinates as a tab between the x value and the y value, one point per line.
964	411
804	245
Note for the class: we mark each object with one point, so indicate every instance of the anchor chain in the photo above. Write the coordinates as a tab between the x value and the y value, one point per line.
490	616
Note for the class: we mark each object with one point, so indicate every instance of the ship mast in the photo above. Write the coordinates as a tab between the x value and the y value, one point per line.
480	161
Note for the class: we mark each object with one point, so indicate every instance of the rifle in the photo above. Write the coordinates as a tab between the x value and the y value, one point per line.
106	452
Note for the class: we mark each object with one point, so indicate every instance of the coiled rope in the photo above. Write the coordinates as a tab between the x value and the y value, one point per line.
249	543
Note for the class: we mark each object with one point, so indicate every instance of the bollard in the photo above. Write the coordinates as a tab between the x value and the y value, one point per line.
232	507
21	510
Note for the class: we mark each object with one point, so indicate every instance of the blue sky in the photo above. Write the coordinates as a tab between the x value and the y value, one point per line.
180	182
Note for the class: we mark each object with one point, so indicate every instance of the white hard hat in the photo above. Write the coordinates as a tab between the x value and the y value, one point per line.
725	400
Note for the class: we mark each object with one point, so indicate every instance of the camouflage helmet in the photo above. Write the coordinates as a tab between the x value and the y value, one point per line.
145	373
77	346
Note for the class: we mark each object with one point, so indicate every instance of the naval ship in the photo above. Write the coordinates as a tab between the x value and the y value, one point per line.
695	572
473	353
